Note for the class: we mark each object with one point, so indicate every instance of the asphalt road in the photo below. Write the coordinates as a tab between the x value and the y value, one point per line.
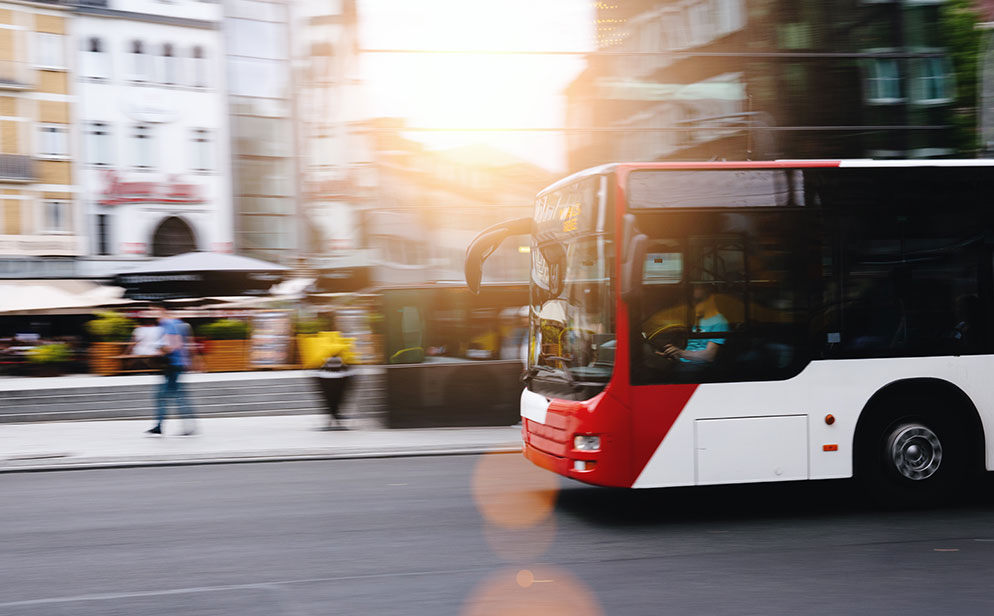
469	535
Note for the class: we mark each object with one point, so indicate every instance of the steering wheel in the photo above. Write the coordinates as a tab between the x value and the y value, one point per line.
581	348
674	334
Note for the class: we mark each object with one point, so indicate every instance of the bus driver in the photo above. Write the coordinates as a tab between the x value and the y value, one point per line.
708	319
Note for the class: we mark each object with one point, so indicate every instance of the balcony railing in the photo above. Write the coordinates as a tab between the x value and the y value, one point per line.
16	168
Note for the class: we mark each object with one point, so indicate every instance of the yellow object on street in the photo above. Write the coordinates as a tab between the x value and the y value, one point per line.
315	348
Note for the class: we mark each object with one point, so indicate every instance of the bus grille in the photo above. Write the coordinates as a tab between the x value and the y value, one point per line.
551	437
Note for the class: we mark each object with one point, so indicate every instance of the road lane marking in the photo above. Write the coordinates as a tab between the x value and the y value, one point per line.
254	586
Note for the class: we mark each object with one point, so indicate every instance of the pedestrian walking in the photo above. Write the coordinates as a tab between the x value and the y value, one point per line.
146	341
334	378
176	337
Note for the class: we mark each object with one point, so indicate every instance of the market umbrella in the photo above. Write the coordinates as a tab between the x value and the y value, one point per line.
199	274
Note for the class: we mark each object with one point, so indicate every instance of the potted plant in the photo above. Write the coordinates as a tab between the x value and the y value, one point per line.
49	359
227	345
110	332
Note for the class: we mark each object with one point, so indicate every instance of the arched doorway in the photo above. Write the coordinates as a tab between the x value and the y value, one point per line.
173	236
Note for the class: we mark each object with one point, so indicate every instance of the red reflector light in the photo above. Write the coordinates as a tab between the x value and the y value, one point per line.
829	447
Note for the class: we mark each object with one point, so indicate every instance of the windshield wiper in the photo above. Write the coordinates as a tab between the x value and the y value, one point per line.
530	373
576	385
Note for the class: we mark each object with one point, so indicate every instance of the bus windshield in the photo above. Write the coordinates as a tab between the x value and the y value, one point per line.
572	314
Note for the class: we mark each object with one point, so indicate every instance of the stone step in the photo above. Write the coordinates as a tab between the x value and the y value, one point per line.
262	396
224	387
150	414
275	401
96	400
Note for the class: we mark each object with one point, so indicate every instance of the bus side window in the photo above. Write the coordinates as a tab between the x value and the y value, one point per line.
908	282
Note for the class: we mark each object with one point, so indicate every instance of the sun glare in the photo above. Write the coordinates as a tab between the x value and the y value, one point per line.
490	92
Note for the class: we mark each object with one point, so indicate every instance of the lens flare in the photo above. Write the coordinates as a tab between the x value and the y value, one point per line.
521	545
536	591
512	493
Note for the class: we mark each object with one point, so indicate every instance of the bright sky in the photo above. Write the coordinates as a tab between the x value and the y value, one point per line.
487	91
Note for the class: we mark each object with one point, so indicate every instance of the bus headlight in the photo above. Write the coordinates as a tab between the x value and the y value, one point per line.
586	442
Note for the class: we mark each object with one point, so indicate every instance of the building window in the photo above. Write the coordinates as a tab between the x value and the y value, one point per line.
142	147
56	216
201	150
103	234
731	15
199	76
884	81
676	27
169	68
96	60
51	50
141	69
98	144
53	141
701	23
932	81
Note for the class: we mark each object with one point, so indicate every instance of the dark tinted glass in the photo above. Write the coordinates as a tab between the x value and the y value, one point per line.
906	262
431	325
726	290
714	188
881	263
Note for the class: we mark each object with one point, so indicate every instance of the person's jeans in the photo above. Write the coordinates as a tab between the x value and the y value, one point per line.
172	388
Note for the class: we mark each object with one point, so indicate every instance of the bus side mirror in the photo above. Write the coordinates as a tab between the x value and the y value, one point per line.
554	254
486	243
631	267
628	231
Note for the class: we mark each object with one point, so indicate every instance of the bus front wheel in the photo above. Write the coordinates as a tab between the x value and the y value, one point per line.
913	454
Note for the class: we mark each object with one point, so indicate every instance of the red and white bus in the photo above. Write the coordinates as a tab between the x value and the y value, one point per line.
718	323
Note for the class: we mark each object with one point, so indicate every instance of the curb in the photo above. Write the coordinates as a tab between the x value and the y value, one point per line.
32	465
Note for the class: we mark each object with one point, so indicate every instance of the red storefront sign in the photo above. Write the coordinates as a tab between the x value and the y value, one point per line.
173	191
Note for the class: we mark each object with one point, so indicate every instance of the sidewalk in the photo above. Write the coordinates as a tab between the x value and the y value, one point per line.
70	381
82	397
122	443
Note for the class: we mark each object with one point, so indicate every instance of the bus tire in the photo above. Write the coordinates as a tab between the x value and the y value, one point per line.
913	452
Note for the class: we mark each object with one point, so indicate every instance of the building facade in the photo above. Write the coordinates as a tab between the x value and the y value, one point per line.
430	204
41	224
336	156
152	124
264	144
760	79
985	76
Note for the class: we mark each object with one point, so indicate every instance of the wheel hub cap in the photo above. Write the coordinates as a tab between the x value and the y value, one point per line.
915	452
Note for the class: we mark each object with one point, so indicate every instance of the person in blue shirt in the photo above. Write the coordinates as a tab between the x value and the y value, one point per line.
176	359
709	319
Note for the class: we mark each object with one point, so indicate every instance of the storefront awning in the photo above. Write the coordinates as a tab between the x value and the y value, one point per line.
56	296
200	274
